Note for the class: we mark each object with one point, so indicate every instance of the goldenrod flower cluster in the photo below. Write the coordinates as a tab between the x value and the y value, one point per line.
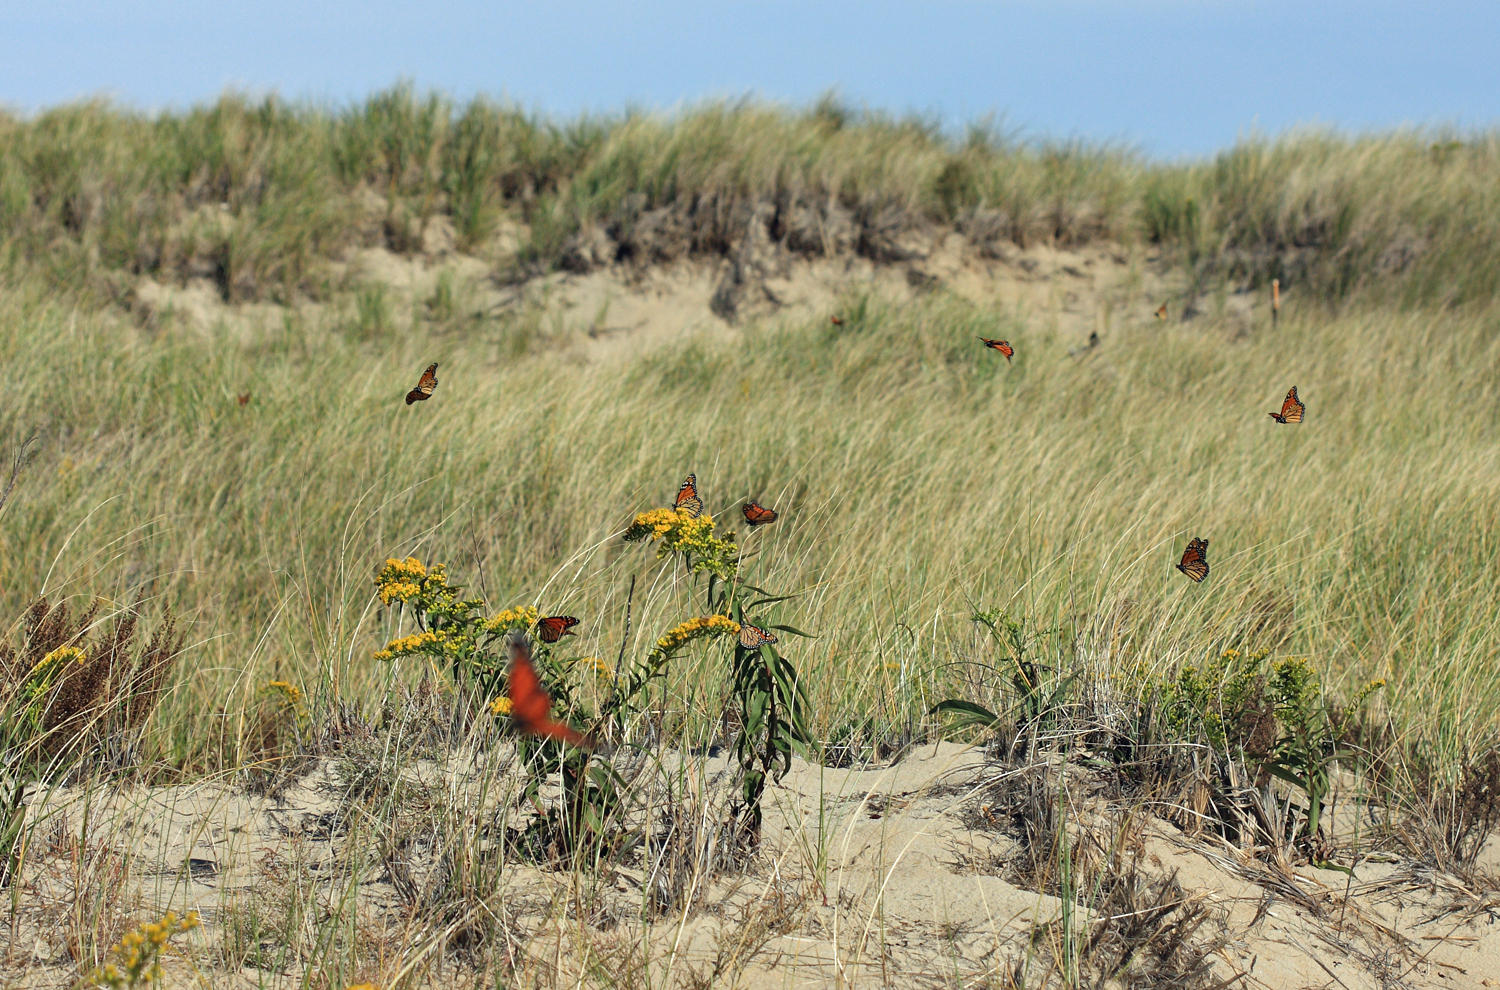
500	706
695	628
291	692
520	617
291	696
136	955
654	523
44	675
407	645
59	657
675	531
601	668
402	580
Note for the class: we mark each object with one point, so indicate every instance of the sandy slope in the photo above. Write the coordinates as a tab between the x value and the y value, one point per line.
899	875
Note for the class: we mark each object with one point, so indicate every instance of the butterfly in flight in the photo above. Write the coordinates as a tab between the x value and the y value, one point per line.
1292	408
1194	561
837	321
754	637
425	385
1003	346
757	514
530	706
1161	311
687	498
555	627
243	398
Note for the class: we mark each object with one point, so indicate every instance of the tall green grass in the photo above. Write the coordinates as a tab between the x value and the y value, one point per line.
263	195
919	477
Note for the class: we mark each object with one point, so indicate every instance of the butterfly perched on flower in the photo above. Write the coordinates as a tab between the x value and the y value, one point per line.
1194	561
754	637
757	514
530	705
1161	311
1292	408
1003	346
425	385
687	498
555	627
243	398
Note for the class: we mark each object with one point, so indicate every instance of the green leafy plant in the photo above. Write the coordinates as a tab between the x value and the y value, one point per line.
1274	714
766	690
455	633
1042	692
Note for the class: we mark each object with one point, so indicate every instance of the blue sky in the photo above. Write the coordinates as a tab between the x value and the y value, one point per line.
1168	77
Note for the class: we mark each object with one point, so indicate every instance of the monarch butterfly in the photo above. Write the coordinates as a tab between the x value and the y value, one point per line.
530	705
1003	346
757	514
687	498
555	627
837	321
754	637
425	385
1194	561
1292	408
1161	311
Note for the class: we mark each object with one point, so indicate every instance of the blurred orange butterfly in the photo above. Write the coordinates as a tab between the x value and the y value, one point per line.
1292	408
425	385
754	637
555	627
1003	346
530	706
837	321
1161	311
1194	561
687	498
757	514
243	398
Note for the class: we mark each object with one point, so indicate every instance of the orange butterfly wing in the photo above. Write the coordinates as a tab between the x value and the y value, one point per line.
1161	312
1194	561
555	627
757	514
530	706
687	497
243	398
1003	346
1291	408
426	385
754	637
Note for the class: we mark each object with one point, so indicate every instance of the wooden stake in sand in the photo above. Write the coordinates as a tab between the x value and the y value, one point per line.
1275	301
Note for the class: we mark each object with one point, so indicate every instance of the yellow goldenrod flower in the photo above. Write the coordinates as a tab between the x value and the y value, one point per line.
601	668
408	645
520	617
291	696
138	953
500	706
694	628
404	580
60	656
675	531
